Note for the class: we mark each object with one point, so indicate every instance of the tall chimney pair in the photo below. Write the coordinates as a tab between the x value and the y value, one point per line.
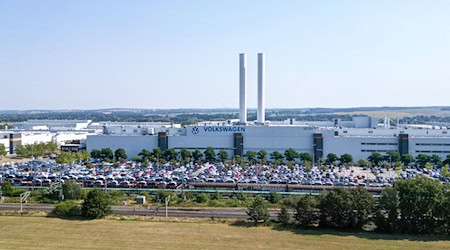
243	88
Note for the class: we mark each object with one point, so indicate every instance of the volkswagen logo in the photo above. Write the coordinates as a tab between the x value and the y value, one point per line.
195	130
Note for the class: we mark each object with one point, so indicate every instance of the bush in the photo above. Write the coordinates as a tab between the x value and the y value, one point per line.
283	216
274	197
202	198
258	212
96	205
7	188
72	190
67	209
241	196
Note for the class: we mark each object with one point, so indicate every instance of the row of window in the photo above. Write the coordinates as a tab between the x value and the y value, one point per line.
378	143
375	150
432	144
432	151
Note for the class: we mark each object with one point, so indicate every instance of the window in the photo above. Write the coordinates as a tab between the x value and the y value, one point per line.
370	132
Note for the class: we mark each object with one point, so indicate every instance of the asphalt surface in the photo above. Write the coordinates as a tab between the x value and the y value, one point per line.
155	211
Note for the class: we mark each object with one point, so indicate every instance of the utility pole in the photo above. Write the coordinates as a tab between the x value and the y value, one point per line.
166	200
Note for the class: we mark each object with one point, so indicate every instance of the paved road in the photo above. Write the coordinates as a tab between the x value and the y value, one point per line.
172	212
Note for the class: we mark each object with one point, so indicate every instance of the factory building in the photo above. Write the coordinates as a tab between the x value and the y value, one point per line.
360	137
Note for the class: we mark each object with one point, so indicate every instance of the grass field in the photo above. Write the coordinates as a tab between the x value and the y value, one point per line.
52	233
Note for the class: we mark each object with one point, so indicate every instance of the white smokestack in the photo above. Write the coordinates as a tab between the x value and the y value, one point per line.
242	88
261	88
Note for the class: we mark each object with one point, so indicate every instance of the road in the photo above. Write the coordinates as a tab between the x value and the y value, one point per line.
228	213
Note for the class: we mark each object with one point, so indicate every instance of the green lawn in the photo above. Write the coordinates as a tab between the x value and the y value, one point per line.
52	233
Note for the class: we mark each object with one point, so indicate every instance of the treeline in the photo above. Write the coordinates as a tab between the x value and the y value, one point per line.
37	149
414	206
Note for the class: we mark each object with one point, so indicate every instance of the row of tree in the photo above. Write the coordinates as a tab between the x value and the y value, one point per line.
37	149
414	206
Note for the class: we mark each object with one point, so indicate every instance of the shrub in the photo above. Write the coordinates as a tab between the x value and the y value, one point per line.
96	205
274	197
7	188
283	216
202	198
72	190
258	212
67	209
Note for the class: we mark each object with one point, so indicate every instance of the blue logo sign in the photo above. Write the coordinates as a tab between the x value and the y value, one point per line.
195	130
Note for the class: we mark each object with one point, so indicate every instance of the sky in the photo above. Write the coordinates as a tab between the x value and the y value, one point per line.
96	54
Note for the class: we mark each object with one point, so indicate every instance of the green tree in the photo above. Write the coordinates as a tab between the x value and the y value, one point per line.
120	154
304	157
386	217
157	154
67	209
392	156
170	154
283	216
445	171
258	212
222	155
363	206
346	158
186	155
362	163
276	156
274	197
145	155
210	155
422	159
436	159
65	157
82	155
290	154
96	205
106	154
96	154
262	156
197	155
2	151
72	190
331	158
251	156
306	212
375	158
7	188
406	159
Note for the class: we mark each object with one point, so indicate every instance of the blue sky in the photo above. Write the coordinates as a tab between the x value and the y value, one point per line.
184	54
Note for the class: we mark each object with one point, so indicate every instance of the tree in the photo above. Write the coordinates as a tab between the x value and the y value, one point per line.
157	154
331	158
422	159
290	154
375	158
447	160
306	213
145	155
283	216
72	190
251	156
276	156
66	209
7	188
96	205
274	197
197	155
185	154
436	159
210	155
96	154
386	217
82	155
65	157
363	206
258	212
120	154
445	171
346	158
222	155
304	157
2	150
362	163
406	159
261	156
392	156
106	154
170	154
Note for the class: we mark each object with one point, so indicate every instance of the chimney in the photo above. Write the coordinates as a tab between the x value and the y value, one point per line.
261	88
242	88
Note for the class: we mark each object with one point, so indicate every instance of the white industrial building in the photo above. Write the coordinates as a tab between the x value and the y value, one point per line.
360	137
